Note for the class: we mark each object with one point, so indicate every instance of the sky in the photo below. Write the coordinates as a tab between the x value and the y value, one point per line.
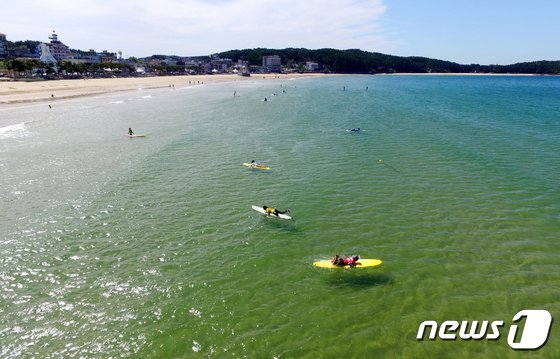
464	31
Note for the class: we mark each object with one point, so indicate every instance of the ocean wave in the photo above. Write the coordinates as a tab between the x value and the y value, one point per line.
14	131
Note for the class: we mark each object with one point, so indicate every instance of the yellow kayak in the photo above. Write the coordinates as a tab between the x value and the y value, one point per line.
362	263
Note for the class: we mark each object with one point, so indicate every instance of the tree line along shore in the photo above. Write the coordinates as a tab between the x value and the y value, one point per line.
293	60
356	61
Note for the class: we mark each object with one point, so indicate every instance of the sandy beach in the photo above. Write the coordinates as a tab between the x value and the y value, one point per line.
19	92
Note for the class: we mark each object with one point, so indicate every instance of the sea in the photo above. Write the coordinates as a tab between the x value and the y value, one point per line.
117	247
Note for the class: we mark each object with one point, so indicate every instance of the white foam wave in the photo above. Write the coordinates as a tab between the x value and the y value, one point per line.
14	131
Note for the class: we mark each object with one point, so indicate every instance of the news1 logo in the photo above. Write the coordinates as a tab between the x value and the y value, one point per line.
533	336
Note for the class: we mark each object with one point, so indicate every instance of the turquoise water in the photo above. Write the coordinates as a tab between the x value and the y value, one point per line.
113	247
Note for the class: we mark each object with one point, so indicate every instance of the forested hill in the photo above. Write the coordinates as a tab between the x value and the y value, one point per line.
359	61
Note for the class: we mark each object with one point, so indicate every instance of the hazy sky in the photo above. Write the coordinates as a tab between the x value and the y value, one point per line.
463	31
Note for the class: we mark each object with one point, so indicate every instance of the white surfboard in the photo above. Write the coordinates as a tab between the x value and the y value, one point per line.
261	210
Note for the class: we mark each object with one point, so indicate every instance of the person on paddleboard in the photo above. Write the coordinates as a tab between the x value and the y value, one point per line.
339	261
274	211
130	133
254	164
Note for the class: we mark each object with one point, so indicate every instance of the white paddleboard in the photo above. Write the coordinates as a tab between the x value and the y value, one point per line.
261	210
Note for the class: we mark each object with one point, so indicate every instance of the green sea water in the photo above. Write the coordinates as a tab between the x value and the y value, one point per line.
112	247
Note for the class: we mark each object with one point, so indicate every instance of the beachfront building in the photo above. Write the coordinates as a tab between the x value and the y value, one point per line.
312	66
272	63
54	51
3	49
57	49
219	65
106	57
85	57
92	57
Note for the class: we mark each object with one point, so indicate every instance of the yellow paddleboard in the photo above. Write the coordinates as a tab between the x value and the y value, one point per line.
362	263
259	167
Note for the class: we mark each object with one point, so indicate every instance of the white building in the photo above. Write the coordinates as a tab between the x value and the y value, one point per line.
57	49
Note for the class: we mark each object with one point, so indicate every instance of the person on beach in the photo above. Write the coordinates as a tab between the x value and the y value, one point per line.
274	211
130	133
350	261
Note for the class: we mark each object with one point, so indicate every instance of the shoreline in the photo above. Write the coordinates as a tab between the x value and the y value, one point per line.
21	92
47	91
458	74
